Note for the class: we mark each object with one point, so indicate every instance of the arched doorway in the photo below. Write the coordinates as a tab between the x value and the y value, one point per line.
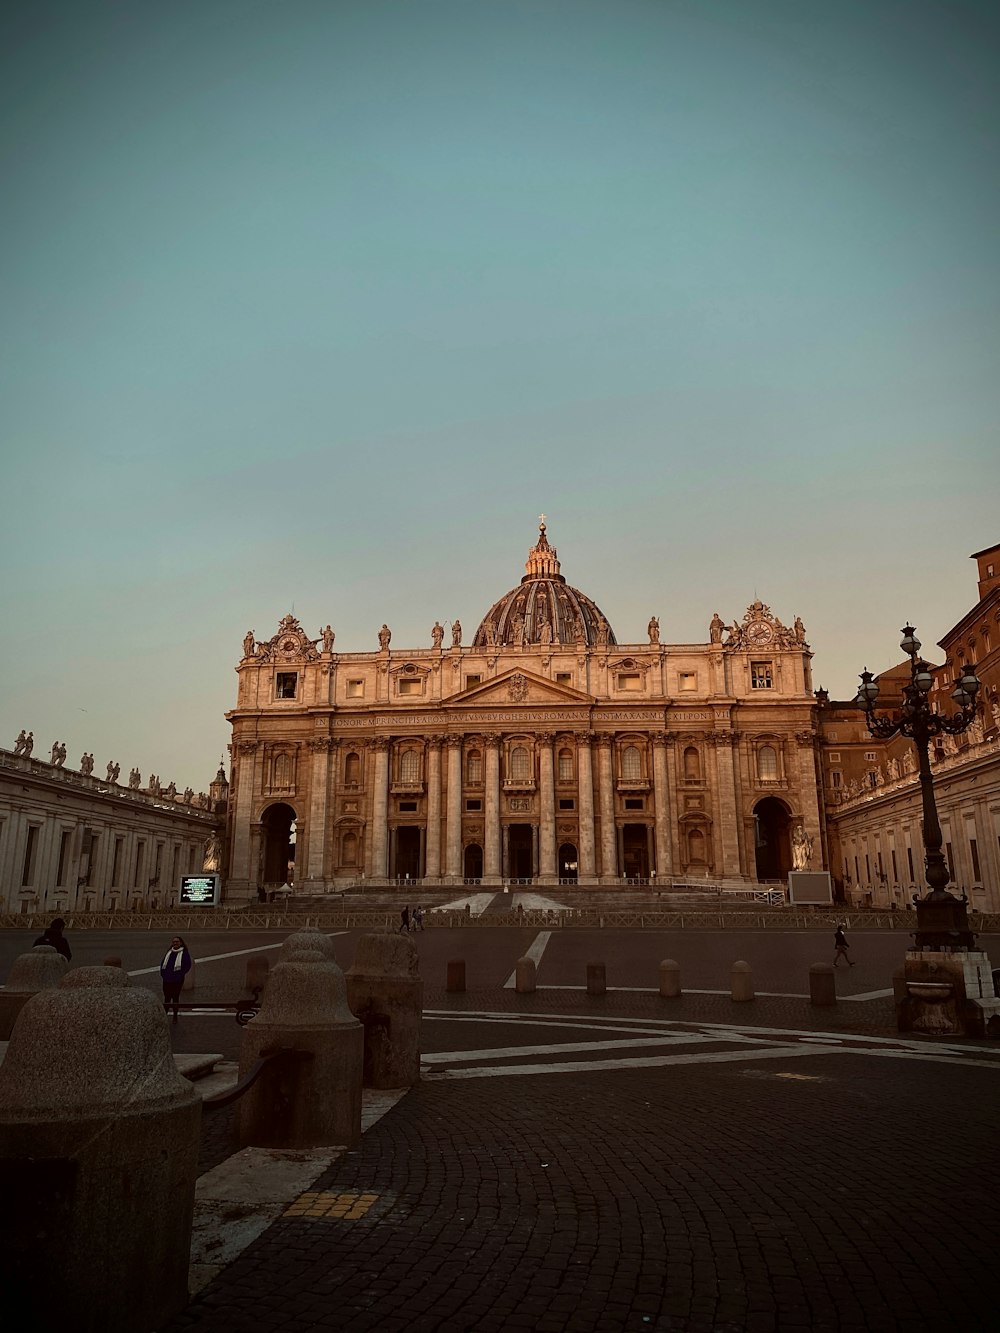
567	862
473	861
772	843
278	847
407	852
635	851
519	851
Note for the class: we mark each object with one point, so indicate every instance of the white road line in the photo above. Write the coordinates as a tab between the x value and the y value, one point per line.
933	1056
638	1062
867	995
235	953
534	952
569	1048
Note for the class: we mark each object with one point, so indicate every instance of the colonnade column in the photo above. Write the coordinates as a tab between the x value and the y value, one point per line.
661	809
606	797
491	851
453	812
240	864
380	809
729	803
547	816
320	747
587	868
432	859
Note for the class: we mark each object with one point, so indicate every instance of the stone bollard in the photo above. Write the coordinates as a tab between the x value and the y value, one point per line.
99	1140
597	983
306	937
257	970
670	979
455	984
112	960
313	1103
742	982
822	984
42	968
524	976
385	992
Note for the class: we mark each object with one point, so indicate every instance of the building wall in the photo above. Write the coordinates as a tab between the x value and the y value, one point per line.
74	842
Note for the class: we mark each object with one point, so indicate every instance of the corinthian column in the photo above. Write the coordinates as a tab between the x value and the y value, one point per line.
606	795
432	862
241	860
587	870
380	809
491	851
661	809
321	748
547	817
729	803
453	812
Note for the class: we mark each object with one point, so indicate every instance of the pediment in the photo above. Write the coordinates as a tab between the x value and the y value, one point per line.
517	688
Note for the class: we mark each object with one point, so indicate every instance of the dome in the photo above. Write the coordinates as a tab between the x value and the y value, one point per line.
544	608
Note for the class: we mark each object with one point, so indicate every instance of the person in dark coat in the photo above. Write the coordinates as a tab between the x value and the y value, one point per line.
840	946
53	936
174	968
404	921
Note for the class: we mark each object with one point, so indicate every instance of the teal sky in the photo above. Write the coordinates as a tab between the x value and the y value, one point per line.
317	305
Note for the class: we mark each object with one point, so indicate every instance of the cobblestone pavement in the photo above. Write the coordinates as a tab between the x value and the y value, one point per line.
646	1170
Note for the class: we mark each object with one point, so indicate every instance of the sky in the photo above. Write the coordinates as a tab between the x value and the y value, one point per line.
315	305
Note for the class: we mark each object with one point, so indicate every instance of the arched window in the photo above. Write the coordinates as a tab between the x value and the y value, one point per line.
520	768
767	763
474	767
631	764
409	766
352	768
282	772
696	846
349	853
565	765
692	764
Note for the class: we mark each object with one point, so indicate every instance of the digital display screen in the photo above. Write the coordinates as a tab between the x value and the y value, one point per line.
200	890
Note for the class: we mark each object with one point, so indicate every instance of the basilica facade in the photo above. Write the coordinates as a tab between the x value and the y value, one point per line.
541	750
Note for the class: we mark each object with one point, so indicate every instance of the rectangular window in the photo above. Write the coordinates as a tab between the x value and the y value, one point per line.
629	681
473	805
950	859
355	689
174	863
895	872
760	675
140	852
871	756
567	803
687	680
473	680
634	803
868	869
407	807
974	853
284	684
116	863
833	757
63	855
564	678
909	862
28	865
836	778
411	686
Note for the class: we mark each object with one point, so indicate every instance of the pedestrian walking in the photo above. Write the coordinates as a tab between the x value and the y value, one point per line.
841	946
418	918
404	921
53	936
174	968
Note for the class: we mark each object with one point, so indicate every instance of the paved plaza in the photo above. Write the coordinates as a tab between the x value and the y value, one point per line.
625	1162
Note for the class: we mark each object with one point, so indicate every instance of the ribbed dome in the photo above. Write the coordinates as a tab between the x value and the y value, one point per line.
544	608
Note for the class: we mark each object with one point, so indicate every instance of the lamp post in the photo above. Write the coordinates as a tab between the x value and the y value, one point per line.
942	919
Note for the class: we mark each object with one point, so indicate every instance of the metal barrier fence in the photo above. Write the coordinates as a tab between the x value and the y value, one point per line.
648	918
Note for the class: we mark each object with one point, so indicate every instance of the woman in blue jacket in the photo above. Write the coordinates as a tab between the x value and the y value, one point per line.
174	968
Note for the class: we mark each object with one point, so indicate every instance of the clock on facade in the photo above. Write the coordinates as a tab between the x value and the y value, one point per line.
759	633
